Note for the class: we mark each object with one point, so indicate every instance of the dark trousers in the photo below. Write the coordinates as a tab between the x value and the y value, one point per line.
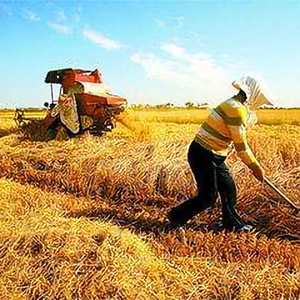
213	178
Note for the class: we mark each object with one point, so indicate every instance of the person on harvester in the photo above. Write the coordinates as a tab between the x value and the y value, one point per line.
224	127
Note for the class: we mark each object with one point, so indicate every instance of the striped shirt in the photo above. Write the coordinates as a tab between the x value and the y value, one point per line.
226	126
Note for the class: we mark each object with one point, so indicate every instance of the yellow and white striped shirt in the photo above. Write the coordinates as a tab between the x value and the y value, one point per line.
224	126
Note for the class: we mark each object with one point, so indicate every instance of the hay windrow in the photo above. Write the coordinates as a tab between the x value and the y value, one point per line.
72	258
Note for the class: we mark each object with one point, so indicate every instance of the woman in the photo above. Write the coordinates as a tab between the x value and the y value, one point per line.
226	125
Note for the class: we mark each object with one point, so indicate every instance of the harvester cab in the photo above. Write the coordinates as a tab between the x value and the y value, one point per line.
84	104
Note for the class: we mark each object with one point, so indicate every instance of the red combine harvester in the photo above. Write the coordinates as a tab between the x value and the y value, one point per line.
84	104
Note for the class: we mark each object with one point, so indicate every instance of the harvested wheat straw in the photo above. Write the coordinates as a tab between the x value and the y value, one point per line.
49	240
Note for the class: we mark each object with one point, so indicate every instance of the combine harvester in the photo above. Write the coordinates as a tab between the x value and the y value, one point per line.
84	104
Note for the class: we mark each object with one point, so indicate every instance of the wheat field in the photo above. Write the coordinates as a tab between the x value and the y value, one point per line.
84	218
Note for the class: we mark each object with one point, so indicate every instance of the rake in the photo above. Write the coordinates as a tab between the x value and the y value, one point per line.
291	203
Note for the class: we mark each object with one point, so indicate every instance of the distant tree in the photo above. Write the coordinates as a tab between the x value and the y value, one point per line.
189	104
203	105
169	104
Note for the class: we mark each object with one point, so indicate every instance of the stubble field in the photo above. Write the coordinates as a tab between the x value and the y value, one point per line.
85	218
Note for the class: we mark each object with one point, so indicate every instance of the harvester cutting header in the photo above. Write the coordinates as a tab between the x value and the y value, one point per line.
84	104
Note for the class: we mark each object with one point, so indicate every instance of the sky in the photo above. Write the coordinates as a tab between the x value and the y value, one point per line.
151	52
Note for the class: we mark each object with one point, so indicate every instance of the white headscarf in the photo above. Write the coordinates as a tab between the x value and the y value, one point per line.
256	91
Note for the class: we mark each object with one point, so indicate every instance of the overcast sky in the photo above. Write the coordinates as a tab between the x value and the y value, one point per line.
151	51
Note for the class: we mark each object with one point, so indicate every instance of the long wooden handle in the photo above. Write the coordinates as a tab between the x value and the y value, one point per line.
270	184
